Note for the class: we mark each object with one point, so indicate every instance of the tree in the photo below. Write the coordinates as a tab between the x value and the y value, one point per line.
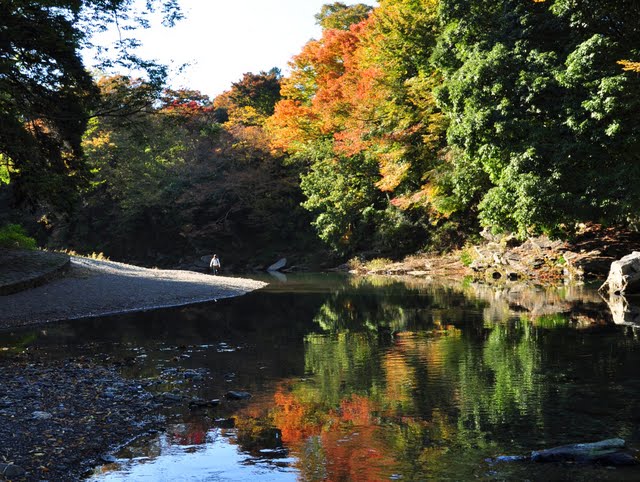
257	91
170	181
542	131
358	106
337	15
46	93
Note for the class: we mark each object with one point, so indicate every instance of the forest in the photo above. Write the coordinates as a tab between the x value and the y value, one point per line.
404	128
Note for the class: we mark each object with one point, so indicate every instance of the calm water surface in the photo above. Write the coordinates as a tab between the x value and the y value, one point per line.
371	379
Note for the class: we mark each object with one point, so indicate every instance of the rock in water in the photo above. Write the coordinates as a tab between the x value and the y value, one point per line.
281	263
624	275
10	471
611	451
234	395
508	458
38	415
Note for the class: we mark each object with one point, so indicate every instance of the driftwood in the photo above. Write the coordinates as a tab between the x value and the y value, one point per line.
607	452
624	275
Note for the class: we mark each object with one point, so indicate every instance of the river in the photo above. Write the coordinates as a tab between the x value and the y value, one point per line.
371	378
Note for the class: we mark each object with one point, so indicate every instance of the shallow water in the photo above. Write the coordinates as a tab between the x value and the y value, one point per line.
371	379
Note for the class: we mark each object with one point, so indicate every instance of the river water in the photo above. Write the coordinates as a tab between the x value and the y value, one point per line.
373	379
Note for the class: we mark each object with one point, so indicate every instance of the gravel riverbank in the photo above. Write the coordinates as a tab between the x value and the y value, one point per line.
97	287
59	418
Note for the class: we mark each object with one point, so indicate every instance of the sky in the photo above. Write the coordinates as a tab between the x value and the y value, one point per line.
223	39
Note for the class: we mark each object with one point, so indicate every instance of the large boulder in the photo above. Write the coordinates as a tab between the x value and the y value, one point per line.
624	275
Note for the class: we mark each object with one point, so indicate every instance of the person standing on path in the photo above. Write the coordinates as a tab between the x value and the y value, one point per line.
215	264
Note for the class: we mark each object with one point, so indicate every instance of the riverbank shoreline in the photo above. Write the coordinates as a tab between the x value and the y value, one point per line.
504	259
91	287
60	418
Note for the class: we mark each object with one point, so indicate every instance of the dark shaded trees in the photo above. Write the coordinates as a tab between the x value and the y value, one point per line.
171	182
46	93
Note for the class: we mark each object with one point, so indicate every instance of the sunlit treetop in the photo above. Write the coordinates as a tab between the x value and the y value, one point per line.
340	16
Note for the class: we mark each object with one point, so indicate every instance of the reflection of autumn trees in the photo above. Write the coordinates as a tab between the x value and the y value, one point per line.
395	382
357	416
500	383
413	307
254	433
342	364
345	441
412	373
405	378
192	433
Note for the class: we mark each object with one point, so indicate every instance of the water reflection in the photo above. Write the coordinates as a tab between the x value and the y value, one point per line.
371	379
161	459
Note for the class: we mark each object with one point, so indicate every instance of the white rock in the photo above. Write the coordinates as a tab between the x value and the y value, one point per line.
281	263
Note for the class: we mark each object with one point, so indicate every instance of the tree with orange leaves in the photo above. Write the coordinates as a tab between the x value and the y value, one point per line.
359	113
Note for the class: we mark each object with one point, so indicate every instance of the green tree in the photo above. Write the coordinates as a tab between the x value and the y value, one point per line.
342	192
259	91
341	16
541	130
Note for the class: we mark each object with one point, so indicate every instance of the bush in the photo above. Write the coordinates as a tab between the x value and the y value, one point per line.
378	263
466	258
14	236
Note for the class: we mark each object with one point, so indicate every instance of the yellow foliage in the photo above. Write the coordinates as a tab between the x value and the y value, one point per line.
392	172
94	255
99	140
629	65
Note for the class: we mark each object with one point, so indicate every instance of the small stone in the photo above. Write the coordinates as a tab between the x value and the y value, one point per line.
225	422
234	395
196	403
38	415
170	397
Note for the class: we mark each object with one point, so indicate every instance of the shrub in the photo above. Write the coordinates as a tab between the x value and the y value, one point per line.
14	236
466	257
378	263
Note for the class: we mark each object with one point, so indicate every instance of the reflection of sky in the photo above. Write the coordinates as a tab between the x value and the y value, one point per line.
217	459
